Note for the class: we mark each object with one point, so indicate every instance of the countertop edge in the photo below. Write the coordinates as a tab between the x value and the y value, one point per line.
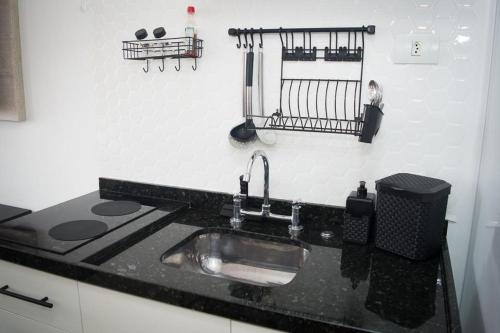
451	301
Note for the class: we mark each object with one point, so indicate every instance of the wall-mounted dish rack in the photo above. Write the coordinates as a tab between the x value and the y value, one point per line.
324	105
163	48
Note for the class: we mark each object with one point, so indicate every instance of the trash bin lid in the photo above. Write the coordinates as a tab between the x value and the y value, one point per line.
425	188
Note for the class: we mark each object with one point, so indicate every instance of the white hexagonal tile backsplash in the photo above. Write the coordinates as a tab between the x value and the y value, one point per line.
172	127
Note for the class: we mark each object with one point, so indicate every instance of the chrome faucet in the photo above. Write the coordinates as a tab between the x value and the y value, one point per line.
246	178
239	213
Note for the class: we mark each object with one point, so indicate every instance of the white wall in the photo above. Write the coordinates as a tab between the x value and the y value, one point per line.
51	157
172	127
481	292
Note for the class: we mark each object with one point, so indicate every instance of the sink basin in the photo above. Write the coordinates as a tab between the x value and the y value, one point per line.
238	256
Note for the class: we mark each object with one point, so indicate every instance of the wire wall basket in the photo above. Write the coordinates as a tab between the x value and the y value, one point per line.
164	48
324	105
317	105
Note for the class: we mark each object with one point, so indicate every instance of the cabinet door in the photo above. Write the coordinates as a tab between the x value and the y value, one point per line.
239	327
105	310
61	292
12	323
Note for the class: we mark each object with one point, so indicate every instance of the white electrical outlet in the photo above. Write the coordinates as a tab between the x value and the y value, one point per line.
416	49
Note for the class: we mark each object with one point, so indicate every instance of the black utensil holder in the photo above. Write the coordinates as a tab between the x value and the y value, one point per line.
372	117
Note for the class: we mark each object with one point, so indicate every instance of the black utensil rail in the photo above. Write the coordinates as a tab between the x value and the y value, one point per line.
163	48
323	105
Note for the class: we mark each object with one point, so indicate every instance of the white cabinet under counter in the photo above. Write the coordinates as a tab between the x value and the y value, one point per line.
105	310
19	314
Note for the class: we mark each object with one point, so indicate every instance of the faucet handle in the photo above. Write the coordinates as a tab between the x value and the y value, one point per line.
243	186
237	218
296	206
295	227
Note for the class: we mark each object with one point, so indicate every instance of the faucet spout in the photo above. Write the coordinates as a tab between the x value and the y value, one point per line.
240	213
248	174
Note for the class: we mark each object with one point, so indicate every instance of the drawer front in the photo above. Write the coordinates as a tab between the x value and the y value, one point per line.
26	284
12	323
105	310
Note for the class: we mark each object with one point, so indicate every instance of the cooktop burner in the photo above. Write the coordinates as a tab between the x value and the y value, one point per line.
71	224
78	230
116	208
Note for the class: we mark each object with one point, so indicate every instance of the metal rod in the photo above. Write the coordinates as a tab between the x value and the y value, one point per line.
335	99
317	93
345	101
298	98
326	101
362	63
355	99
323	80
307	100
370	29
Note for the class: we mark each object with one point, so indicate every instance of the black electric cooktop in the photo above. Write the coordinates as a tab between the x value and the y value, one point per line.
67	226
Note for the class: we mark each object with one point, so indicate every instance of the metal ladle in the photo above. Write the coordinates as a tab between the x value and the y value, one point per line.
245	132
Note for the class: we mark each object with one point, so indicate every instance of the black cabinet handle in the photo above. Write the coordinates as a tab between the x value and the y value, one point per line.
42	302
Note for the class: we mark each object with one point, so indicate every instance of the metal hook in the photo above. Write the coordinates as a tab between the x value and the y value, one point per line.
162	68
195	64
261	44
251	38
246	40
239	40
147	66
281	37
178	57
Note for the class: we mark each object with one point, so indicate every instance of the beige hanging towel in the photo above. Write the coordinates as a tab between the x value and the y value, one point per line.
11	76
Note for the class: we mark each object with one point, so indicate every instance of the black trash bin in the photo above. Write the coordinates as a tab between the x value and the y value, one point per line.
410	217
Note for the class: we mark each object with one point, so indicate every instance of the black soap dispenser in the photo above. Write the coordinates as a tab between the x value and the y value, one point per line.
360	209
360	202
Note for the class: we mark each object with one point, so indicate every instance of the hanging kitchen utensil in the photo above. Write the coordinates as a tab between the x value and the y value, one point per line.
265	136
375	93
245	132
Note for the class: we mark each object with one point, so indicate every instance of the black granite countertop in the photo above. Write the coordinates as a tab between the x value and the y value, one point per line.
8	213
342	287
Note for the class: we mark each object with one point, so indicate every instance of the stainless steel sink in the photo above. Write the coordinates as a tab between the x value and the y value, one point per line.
238	256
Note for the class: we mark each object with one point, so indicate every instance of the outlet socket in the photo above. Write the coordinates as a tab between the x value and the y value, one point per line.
416	49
